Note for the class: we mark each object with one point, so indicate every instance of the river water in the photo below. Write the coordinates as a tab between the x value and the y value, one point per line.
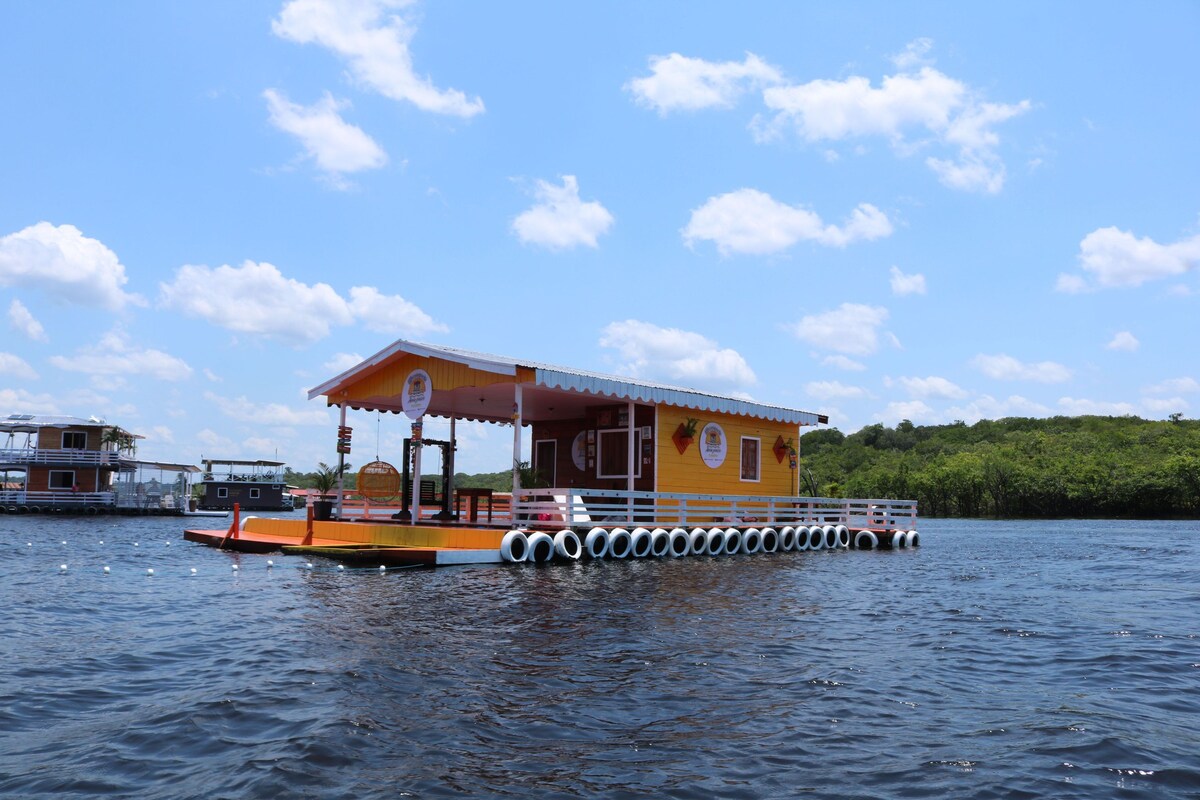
999	660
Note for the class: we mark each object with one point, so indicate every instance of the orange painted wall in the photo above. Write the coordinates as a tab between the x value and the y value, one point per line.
688	473
389	382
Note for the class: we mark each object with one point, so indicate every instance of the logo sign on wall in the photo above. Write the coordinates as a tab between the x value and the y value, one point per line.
418	390
579	451
712	445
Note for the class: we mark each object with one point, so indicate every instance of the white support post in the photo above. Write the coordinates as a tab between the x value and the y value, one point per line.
518	411
448	489
415	453
341	457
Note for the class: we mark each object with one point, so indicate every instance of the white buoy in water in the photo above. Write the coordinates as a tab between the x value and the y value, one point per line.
235	567
193	570
270	563
63	566
135	544
149	570
308	565
382	568
168	544
64	541
29	544
340	566
101	541
106	570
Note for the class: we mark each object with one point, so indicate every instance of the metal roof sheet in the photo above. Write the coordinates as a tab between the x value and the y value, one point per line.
569	379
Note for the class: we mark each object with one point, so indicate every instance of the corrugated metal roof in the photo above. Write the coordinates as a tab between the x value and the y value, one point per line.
566	378
21	423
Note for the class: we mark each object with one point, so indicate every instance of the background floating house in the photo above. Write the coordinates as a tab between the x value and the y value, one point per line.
61	463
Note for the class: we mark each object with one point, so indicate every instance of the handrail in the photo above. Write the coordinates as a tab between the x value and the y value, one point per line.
41	455
575	507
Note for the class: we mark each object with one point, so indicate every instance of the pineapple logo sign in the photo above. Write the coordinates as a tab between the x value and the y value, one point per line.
418	390
712	445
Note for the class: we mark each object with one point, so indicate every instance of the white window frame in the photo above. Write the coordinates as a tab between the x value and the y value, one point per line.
50	479
222	492
757	460
255	493
637	444
74	433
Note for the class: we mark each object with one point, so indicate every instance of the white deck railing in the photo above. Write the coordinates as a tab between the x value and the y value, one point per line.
60	498
46	456
575	507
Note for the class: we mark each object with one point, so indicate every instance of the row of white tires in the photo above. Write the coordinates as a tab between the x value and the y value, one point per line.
657	543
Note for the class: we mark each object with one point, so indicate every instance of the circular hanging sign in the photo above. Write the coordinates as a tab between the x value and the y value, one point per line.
712	445
415	396
378	480
579	451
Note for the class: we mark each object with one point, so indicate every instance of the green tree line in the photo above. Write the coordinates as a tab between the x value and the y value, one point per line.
1016	467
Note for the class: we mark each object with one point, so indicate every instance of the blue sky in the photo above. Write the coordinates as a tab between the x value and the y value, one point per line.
876	211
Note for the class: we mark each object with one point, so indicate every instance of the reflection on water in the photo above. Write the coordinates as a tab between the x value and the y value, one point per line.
1037	659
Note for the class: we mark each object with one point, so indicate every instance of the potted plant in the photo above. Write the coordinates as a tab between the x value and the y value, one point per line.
324	480
685	434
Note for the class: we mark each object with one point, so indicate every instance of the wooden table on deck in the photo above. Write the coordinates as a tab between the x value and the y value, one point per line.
473	508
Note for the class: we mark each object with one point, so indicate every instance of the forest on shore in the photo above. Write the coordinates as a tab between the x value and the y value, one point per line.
1078	467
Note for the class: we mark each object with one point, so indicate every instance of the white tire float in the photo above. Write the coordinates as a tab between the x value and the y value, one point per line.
866	540
716	542
641	542
567	545
912	539
514	546
678	543
899	540
733	541
596	543
619	543
816	538
843	535
541	547
698	542
787	538
751	541
831	537
660	542
770	540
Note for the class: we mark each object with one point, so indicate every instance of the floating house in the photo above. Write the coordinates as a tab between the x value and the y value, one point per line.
608	454
254	485
81	465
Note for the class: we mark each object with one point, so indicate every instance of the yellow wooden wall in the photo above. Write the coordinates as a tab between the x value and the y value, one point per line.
445	375
688	472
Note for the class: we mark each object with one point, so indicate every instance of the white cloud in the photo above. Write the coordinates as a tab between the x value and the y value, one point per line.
25	402
390	313
559	220
679	83
340	363
917	101
1124	340
850	328
1005	367
842	362
833	389
674	355
907	284
988	407
256	298
752	222
1113	258
22	321
14	367
334	144
911	410
1176	385
162	433
212	376
374	42
114	357
64	263
1165	405
932	386
1076	407
274	414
